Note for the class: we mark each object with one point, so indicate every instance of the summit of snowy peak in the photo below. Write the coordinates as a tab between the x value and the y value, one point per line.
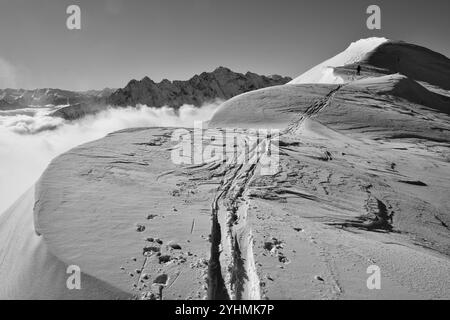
323	73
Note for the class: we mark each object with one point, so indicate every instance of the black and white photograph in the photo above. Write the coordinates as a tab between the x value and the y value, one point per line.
224	150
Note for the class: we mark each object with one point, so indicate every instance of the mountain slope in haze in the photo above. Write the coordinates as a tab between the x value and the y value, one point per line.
21	98
222	84
79	110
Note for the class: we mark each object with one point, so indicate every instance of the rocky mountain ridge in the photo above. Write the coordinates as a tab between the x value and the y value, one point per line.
221	84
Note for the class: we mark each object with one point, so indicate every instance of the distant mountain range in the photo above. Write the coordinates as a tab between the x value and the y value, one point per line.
21	98
222	83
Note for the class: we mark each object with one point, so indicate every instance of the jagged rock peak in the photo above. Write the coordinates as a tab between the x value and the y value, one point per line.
222	83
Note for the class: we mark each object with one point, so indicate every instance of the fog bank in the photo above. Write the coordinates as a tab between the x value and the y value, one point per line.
30	139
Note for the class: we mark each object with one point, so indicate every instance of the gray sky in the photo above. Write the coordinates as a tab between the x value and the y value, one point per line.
175	39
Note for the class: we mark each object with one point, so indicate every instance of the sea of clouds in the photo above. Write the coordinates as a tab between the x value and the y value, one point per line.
30	138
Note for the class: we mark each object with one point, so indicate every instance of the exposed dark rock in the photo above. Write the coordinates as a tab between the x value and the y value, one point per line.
222	84
165	258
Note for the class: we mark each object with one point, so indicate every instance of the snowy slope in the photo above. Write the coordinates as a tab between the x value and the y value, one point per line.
323	73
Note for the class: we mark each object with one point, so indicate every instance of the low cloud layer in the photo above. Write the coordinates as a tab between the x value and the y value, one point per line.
29	138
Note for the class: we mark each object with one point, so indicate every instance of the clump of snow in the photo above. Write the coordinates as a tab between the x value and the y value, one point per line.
323	73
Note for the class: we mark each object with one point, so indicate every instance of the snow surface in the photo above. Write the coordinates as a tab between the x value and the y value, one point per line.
356	163
323	73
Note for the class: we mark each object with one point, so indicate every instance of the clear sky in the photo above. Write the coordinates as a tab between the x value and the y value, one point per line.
175	39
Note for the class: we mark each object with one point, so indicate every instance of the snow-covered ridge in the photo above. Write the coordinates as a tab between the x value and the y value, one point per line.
323	73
